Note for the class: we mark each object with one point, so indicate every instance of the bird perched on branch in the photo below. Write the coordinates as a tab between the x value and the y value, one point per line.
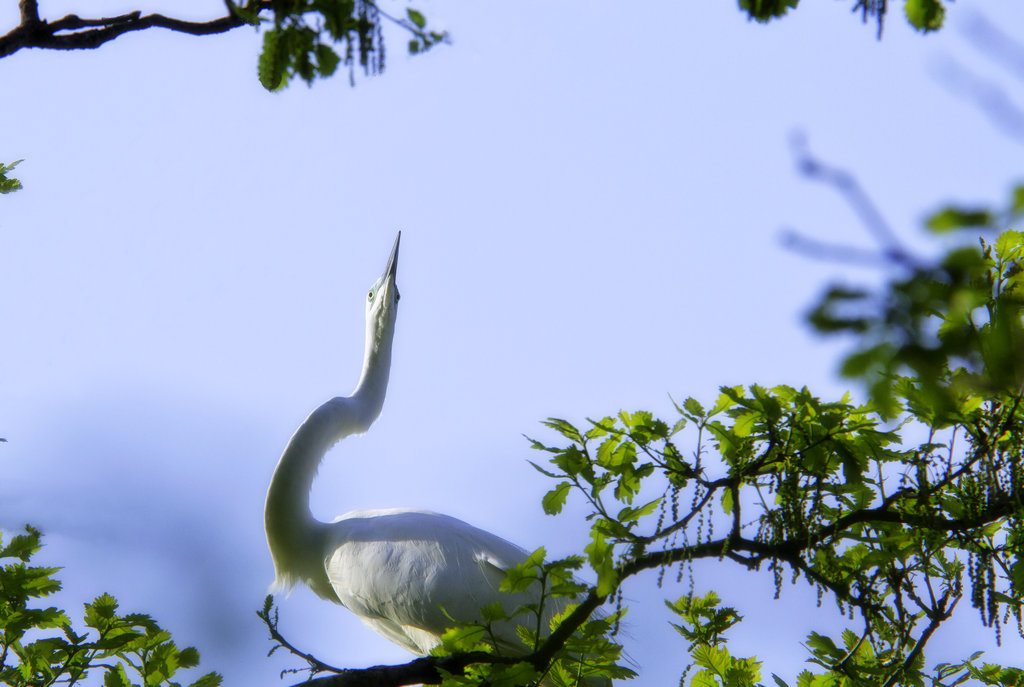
408	574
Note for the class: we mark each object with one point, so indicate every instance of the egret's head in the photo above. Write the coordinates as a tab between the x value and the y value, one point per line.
382	300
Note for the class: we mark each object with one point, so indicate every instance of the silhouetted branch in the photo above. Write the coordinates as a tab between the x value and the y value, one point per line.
428	670
987	38
820	250
989	97
942	613
420	671
269	617
72	32
75	33
891	249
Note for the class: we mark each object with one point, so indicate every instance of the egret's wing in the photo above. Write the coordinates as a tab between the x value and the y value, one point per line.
410	638
410	575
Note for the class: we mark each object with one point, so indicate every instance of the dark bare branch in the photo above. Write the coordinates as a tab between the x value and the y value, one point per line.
820	250
420	671
940	614
891	249
29	12
995	43
989	96
427	670
850	188
75	33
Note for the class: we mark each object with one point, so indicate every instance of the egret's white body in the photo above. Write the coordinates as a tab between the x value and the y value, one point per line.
396	569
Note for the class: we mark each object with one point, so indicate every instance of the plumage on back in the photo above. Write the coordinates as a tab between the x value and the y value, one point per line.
421	563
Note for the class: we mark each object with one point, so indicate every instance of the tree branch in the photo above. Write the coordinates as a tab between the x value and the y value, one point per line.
74	33
29	12
269	617
936	618
892	250
424	670
427	670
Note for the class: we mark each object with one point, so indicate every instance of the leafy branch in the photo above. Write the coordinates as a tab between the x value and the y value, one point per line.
129	649
574	651
8	184
297	41
72	32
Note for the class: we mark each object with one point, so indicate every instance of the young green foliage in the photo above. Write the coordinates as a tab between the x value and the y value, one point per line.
127	649
8	184
896	533
299	44
704	625
955	326
586	655
923	15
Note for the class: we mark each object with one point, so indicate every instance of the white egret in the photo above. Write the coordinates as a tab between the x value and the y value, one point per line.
396	568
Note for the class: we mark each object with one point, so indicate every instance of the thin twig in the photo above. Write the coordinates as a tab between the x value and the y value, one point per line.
315	665
936	619
891	249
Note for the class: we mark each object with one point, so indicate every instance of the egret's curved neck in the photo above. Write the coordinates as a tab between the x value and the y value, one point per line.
373	382
295	537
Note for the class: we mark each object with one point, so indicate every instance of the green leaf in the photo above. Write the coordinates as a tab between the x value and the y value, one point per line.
115	677
493	612
627	515
823	646
925	15
416	17
22	546
602	428
326	59
101	612
8	185
188	657
1017	576
249	16
766	10
745	424
274	60
601	555
953	218
543	471
1017	200
461	638
554	500
208	680
727	501
565	428
115	642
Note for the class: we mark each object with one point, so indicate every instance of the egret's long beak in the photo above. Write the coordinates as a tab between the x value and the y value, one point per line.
391	270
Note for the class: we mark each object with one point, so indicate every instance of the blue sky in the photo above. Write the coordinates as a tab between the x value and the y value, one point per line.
591	201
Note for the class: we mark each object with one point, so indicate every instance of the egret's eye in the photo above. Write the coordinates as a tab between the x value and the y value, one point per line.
369	296
398	296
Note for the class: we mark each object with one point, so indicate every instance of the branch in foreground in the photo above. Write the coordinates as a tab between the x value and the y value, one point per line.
74	33
427	670
891	250
420	671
